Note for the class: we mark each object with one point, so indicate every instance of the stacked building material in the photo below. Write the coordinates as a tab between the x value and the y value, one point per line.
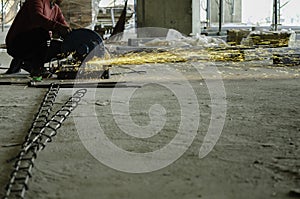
286	59
78	13
234	37
271	39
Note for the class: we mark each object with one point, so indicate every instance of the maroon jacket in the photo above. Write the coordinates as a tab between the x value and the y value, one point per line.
35	14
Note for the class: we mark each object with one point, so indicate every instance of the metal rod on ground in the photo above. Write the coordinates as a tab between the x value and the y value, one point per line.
83	85
72	84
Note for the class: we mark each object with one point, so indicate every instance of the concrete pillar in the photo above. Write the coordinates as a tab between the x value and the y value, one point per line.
196	21
175	14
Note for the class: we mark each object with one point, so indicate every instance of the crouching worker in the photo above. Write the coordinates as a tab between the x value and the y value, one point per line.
28	38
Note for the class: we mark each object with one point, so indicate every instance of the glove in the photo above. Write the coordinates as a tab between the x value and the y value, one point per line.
63	30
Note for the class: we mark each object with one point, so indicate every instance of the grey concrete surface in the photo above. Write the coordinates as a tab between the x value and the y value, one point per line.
256	156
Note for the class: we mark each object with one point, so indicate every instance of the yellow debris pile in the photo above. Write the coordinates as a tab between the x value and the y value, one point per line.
227	55
139	58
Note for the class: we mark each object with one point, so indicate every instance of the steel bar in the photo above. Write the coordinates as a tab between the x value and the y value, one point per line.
2	15
208	11
220	16
39	135
15	187
275	15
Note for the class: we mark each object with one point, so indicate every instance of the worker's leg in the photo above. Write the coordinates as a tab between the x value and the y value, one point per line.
15	66
31	47
54	51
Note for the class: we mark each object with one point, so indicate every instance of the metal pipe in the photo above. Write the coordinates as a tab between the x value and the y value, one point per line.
278	11
208	7
2	14
220	15
275	15
135	14
112	14
232	7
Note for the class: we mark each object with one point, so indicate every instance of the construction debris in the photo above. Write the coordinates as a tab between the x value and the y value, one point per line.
288	59
270	39
263	38
235	37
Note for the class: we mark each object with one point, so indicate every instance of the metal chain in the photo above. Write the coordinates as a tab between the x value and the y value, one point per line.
36	141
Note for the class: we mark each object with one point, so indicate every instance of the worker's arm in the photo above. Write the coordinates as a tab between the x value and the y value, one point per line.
60	17
36	8
65	28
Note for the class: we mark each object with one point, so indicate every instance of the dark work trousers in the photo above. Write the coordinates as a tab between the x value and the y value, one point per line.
32	48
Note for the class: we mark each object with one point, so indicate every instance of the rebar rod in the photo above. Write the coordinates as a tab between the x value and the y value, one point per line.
37	139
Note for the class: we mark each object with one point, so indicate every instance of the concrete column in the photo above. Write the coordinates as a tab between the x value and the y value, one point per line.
196	22
175	14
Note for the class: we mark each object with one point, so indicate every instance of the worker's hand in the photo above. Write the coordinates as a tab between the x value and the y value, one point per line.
50	34
63	30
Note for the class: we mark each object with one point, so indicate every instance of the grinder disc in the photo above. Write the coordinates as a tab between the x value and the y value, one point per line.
82	42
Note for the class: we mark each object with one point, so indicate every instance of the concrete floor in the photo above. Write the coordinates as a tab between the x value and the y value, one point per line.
256	156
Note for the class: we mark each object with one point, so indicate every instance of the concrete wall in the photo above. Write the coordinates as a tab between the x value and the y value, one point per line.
231	14
176	14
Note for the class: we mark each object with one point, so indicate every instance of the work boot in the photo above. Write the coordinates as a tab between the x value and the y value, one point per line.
15	66
37	79
35	72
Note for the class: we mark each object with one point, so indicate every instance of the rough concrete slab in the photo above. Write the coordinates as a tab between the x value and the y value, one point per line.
255	157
